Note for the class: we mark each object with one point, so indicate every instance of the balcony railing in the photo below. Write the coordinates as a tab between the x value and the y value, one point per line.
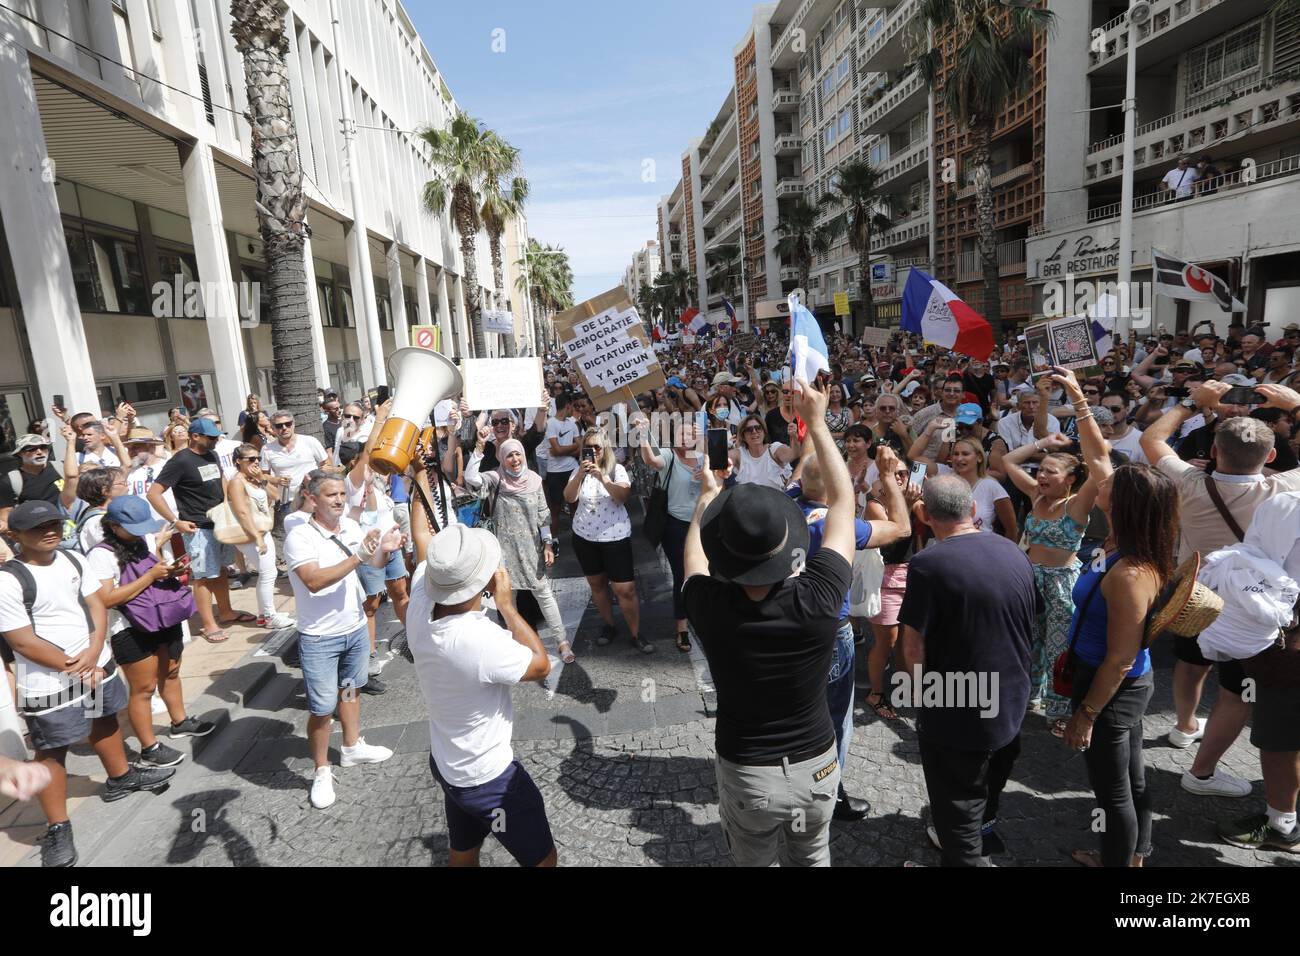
789	188
911	89
914	155
787	143
1011	260
1001	179
1112	40
886	51
730	194
785	101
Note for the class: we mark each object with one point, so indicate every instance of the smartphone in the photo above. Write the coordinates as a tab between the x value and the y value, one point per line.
917	477
378	395
60	403
718	448
1242	395
589	454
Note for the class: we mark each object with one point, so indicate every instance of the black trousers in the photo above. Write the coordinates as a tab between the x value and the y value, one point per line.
1115	767
965	787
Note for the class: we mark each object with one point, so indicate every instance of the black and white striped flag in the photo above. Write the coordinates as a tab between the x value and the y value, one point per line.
1176	279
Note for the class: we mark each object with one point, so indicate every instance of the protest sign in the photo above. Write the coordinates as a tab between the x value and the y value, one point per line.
876	338
606	340
497	322
1065	342
502	383
744	341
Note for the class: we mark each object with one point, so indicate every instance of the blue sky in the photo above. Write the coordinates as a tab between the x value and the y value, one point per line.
589	90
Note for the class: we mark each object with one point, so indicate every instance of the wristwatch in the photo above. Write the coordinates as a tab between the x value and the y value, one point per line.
1189	403
1090	712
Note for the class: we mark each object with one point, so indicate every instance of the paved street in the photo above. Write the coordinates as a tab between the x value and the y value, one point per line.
622	751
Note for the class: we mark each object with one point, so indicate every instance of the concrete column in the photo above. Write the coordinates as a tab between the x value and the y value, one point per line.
42	270
142	53
462	319
423	307
363	291
220	304
397	295
320	362
103	39
444	315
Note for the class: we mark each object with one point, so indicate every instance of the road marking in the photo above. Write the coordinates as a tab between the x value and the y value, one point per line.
700	664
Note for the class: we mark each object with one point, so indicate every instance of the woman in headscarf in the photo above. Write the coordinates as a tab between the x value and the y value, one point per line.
521	521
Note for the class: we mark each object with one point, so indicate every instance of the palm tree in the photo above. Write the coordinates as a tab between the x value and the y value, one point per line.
855	192
258	29
800	239
728	257
675	290
549	278
994	44
463	160
500	205
647	305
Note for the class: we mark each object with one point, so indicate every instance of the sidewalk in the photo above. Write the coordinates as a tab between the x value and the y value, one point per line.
22	825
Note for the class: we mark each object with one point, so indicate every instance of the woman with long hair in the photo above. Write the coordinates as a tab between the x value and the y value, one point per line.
150	656
857	453
176	437
247	495
522	523
252	406
602	537
1063	493
992	503
838	418
758	460
1112	677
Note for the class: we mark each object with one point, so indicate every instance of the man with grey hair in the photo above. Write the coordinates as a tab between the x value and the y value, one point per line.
968	620
1215	508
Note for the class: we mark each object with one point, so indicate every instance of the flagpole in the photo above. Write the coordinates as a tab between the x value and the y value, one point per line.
1124	321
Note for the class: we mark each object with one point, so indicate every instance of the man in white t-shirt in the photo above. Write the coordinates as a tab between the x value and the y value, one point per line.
323	555
563	436
1181	180
467	666
288	460
69	688
1123	437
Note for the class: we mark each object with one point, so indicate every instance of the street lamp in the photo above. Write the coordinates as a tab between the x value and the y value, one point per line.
1139	12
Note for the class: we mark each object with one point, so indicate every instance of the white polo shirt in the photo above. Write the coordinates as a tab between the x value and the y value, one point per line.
336	610
305	456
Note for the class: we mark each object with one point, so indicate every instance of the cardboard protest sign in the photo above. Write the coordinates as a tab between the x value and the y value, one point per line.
1065	342
744	341
876	338
606	340
502	383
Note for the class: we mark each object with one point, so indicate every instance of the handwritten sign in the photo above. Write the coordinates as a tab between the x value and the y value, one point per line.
876	338
502	383
498	323
605	338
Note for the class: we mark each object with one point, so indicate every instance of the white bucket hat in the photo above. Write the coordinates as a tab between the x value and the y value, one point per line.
460	563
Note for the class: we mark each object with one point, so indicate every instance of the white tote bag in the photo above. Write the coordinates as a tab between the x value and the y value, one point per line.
868	576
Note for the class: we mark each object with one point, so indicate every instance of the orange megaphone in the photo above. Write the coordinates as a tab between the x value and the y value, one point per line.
422	379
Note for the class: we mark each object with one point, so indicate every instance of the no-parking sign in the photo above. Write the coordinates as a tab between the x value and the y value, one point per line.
425	337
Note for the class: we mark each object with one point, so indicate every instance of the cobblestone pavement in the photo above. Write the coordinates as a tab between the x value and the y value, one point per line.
621	746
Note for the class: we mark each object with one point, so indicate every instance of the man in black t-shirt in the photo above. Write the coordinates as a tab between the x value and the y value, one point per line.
768	622
968	619
194	475
34	479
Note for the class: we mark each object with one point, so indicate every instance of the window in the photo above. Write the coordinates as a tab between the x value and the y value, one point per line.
155	22
879	153
254	301
1222	60
384	306
149	391
846	122
828	137
842	69
828	86
107	271
15	419
348	313
328	317
180	270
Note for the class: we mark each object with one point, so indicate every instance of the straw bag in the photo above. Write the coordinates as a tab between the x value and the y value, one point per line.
227	528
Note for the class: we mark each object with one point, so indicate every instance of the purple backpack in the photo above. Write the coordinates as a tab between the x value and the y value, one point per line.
161	605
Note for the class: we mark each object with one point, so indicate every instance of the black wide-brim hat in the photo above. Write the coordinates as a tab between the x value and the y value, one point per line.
754	535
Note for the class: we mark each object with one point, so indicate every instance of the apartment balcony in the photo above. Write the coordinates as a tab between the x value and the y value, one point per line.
1000	180
785	101
674	237
1011	261
726	232
724	146
1249	108
728	174
789	144
893	289
729	202
886	51
789	274
910	166
790	188
912	226
809	17
896	104
1174	26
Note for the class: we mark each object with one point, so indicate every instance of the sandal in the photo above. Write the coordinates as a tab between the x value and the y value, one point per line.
684	642
1088	858
212	638
880	708
243	617
566	652
1057	728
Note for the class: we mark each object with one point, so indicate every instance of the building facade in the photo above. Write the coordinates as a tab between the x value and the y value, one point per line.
645	268
133	188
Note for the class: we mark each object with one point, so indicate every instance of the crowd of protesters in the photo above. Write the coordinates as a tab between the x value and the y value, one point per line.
937	515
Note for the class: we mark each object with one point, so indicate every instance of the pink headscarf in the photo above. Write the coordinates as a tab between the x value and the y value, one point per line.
528	481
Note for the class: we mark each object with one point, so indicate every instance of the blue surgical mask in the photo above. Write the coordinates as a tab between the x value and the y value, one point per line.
513	473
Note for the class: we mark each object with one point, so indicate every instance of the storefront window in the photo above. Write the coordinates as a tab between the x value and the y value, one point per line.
180	270
108	272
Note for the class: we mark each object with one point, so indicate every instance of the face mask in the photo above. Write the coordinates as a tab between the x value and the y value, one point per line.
512	472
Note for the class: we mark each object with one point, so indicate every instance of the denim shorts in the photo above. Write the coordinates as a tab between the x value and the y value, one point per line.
208	556
373	579
332	663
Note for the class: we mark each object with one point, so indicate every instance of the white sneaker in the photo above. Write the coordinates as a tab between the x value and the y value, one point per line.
364	753
1181	740
1222	784
276	622
322	789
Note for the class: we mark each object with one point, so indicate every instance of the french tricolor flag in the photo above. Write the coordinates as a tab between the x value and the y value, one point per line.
694	321
931	309
731	314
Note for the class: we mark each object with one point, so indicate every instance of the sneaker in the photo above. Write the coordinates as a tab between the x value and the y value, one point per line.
606	636
322	789
136	779
57	849
1222	784
276	622
191	727
642	645
363	753
1255	833
374	686
159	756
1181	740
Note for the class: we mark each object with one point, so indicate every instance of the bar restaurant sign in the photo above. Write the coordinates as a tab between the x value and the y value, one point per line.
1080	256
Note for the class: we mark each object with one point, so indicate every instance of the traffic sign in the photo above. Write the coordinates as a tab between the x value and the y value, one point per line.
425	337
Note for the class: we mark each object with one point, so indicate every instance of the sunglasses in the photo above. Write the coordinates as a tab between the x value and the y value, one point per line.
1091	391
502	421
279	425
753	428
248	461
351	418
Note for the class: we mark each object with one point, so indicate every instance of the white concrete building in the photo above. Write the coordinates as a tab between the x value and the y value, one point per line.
1213	78
644	269
129	164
